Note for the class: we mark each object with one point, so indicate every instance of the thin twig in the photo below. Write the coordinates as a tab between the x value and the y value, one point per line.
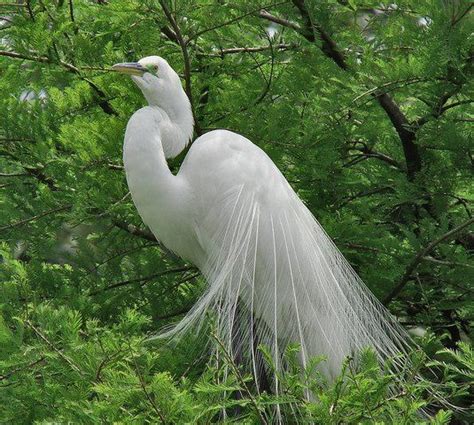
19	369
71	12
135	231
447	263
144	234
331	50
54	348
12	5
103	102
36	217
364	193
281	21
14	175
187	62
461	15
174	313
147	394
234	20
143	280
420	256
256	49
240	378
30	10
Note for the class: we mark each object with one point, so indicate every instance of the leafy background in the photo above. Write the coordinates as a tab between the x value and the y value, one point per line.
367	110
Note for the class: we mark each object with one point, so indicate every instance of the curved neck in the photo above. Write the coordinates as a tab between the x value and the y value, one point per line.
147	171
177	125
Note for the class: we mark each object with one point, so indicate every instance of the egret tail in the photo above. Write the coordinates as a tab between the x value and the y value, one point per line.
274	258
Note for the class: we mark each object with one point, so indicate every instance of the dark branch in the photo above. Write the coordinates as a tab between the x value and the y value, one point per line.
406	134
19	369
36	217
329	47
364	193
144	234
40	176
440	108
169	34
135	231
256	49
456	19
370	153
143	280
281	21
187	62
103	102
174	313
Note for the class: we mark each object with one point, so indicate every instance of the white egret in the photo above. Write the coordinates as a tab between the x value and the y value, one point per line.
273	274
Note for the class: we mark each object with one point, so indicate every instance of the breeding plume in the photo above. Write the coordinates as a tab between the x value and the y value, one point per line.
274	276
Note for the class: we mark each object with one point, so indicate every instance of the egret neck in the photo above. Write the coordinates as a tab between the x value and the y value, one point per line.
160	197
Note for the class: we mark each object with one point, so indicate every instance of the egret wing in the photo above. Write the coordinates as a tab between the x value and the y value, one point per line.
274	275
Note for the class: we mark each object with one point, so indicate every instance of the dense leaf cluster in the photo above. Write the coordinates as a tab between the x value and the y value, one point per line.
367	110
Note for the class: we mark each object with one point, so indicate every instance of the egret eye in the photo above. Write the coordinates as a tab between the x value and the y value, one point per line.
152	69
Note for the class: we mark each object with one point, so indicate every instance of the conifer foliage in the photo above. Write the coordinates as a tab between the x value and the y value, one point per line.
365	107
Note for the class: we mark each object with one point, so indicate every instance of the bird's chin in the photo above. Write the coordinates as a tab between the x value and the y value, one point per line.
140	82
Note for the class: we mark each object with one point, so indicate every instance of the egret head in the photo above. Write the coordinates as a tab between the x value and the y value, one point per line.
156	79
161	86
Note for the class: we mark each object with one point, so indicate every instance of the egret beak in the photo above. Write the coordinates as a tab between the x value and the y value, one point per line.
130	68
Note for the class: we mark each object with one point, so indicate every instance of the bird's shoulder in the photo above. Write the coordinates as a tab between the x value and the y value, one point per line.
225	146
148	115
222	159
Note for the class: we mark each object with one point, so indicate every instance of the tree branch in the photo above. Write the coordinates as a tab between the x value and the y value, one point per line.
364	193
456	19
187	62
330	49
329	46
144	234
150	399
71	13
54	348
103	103
16	55
174	313
440	108
12	5
40	176
240	378
143	280
234	50
406	134
19	369
135	231
36	217
447	263
14	175
420	256
369	153
233	20
281	21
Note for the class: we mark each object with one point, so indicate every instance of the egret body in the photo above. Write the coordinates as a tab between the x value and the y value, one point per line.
274	276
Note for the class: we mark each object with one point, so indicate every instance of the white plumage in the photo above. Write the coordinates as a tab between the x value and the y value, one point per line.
274	275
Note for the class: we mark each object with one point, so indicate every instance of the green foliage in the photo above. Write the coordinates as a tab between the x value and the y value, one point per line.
83	283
